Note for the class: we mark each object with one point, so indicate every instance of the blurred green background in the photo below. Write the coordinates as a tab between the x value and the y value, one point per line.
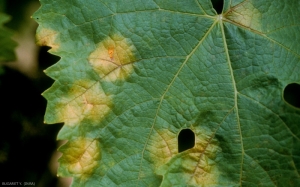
28	146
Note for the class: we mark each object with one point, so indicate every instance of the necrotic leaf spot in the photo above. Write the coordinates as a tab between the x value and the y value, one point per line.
111	52
186	140
291	94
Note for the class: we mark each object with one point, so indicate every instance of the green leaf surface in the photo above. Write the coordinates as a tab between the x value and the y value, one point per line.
133	74
7	45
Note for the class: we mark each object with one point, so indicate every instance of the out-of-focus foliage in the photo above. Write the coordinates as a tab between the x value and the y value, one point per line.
7	45
26	144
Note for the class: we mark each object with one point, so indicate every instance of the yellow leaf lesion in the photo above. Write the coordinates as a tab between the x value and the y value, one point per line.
113	58
198	163
205	170
47	37
202	169
88	103
162	146
81	156
246	15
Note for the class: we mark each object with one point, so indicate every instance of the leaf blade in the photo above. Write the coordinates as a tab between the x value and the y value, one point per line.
160	70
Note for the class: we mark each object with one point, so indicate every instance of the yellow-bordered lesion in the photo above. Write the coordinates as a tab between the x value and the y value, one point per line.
81	156
47	37
88	104
113	58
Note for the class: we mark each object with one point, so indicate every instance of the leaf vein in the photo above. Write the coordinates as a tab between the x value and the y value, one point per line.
262	169
212	136
235	98
167	89
263	35
273	113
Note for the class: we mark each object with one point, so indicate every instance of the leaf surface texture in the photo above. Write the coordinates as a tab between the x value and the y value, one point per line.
133	75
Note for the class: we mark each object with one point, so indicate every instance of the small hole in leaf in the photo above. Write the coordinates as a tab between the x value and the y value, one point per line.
218	5
186	140
291	94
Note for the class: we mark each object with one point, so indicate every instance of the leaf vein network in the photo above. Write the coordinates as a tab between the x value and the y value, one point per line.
168	87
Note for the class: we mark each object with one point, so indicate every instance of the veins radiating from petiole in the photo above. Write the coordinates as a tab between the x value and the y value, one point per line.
235	97
171	83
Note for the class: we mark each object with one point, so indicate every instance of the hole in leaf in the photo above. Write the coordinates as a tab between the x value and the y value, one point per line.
291	94
218	5
186	140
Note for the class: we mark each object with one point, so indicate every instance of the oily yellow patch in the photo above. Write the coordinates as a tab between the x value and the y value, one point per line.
205	171
197	165
246	15
47	37
81	156
89	103
113	58
162	146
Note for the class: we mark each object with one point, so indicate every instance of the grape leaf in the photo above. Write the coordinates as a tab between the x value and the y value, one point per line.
7	45
133	74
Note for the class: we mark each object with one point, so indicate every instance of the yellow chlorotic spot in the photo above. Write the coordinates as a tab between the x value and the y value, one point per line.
197	165
205	171
88	103
113	58
47	37
162	146
81	156
246	15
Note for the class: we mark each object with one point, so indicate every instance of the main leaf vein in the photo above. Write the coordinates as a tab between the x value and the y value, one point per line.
169	86
235	98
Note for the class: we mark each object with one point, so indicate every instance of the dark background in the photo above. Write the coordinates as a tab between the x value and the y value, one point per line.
28	146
